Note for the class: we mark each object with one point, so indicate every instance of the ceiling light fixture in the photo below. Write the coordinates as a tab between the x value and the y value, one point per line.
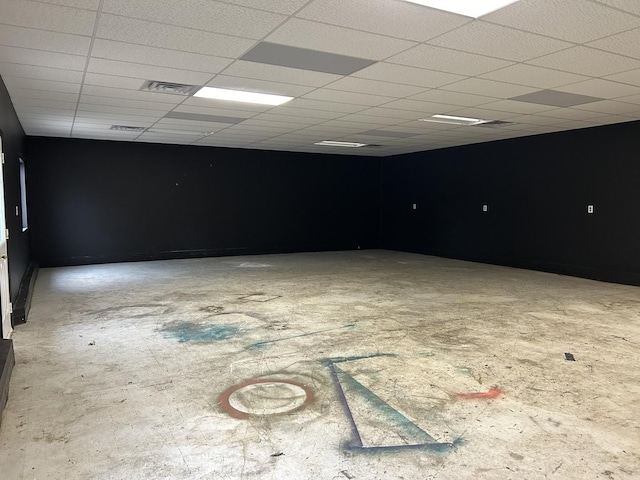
241	96
331	143
468	8
451	120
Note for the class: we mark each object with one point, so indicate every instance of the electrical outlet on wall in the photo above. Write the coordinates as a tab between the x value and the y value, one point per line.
485	208
589	208
415	206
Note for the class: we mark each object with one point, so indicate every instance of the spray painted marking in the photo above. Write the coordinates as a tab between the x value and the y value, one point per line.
388	418
265	397
491	394
195	332
267	342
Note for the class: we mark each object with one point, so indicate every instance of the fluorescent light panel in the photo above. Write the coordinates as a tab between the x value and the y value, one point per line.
241	96
331	143
468	8
450	119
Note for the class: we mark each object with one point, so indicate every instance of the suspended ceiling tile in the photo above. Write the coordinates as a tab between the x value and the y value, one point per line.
36	84
46	16
389	72
41	58
40	73
602	88
347	97
301	121
489	88
149	72
213	107
483	113
387	17
532	76
124	102
275	73
89	107
572	114
112	81
18	103
555	98
204	118
86	4
279	6
447	60
44	40
201	15
124	94
631	6
587	61
305	113
391	113
360	118
161	57
609	106
421	108
624	43
17	93
537	120
260	86
343	41
307	103
374	87
516	107
631	77
630	99
496	41
131	30
571	20
452	98
284	125
329	129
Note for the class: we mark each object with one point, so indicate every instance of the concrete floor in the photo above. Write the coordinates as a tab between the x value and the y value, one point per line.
349	365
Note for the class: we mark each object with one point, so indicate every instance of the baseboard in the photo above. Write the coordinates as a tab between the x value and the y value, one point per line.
22	304
7	361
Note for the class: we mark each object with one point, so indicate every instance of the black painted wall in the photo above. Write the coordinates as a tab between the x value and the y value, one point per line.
13	140
96	201
537	190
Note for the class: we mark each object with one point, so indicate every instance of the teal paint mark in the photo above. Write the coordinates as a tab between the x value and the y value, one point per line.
194	332
267	342
353	359
391	415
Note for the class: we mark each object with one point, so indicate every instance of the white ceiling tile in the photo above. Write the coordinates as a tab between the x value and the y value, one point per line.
43	95
421	108
44	40
609	119
283	125
448	60
484	38
532	76
630	99
203	15
124	94
391	113
113	81
90	107
131	30
162	57
624	43
389	72
311	104
149	72
209	106
332	39
36	84
306	113
40	73
86	4
516	107
279	6
44	110
587	61
373	119
572	114
116	118
387	17
39	102
274	73
609	106
46	16
300	121
537	120
631	6
124	102
347	97
260	86
572	20
631	77
601	88
189	125
42	59
374	87
452	98
483	113
489	88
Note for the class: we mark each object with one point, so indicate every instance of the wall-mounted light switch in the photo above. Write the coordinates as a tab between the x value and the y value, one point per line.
589	208
485	208
415	206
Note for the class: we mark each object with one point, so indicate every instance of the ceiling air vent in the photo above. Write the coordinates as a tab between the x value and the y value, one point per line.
127	128
168	87
494	124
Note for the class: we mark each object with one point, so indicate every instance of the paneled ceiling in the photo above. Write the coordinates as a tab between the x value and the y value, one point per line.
75	68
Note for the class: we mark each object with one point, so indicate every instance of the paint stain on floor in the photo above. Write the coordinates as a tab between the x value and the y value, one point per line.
198	332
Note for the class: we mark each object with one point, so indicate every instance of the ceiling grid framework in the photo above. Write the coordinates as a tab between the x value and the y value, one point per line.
360	71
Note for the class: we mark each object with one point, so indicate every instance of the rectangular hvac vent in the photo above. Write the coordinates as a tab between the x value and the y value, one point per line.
127	128
168	87
494	124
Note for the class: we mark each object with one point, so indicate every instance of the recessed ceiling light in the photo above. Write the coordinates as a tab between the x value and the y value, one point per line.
241	96
330	143
468	8
454	120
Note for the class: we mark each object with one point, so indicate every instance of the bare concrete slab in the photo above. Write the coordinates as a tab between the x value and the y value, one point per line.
345	365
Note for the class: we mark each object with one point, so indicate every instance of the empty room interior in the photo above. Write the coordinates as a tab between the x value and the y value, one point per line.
319	239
